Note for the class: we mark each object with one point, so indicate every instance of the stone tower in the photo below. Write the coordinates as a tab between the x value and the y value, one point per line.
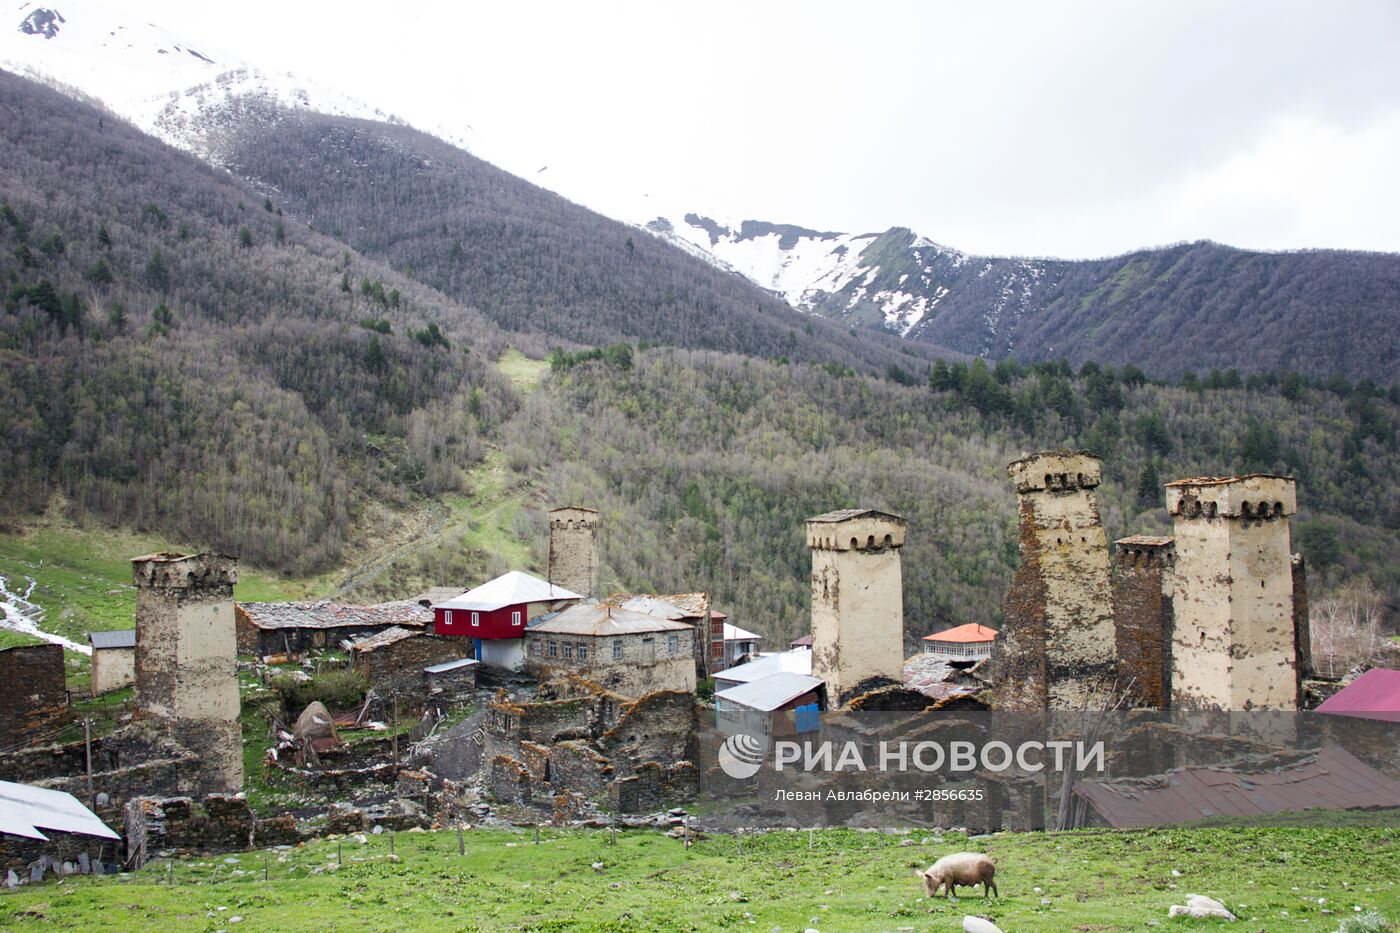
1142	617
573	549
1234	642
1057	645
186	668
857	601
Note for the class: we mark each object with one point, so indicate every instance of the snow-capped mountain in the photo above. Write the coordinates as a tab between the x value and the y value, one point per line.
893	280
180	92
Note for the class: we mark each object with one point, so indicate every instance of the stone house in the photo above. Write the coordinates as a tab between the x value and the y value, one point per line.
113	659
628	653
394	660
293	628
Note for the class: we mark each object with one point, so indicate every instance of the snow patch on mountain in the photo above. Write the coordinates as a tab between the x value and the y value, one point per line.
181	93
836	274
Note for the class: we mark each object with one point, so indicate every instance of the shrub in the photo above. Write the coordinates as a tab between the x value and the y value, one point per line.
339	690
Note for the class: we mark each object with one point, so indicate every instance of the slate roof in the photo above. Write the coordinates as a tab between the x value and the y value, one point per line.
383	639
327	615
1146	541
598	619
1373	695
674	607
772	692
1332	779
845	515
509	589
26	811
120	638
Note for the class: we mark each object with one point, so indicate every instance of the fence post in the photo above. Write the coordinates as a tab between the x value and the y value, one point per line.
461	844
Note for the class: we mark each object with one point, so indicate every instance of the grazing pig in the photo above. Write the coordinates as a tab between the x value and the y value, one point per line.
961	868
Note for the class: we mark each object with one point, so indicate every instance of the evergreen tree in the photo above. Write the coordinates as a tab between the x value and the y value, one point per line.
1149	485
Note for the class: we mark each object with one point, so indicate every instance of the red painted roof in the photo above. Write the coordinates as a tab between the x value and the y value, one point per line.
1373	695
1332	779
963	634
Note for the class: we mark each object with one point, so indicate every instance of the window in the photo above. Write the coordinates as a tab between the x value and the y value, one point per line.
447	617
583	652
568	650
476	618
553	650
515	617
617	649
673	643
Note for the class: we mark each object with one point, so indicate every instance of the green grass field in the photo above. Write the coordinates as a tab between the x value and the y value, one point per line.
1275	880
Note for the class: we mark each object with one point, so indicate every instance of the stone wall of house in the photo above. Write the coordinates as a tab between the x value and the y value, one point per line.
18	853
397	668
1142	618
630	665
112	669
33	694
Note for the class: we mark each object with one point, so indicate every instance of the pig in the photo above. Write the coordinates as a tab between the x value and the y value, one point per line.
961	868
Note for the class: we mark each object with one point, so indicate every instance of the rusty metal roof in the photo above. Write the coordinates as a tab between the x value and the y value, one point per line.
1331	779
291	615
1373	695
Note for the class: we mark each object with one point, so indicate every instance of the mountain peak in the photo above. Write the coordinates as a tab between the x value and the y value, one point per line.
42	22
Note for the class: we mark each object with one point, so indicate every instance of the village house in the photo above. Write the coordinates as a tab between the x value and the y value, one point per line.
737	647
628	653
785	703
496	614
395	661
113	659
802	641
964	644
292	628
692	609
39	826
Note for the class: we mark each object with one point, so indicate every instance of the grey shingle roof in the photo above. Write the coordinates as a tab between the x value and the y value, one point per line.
335	615
121	638
599	619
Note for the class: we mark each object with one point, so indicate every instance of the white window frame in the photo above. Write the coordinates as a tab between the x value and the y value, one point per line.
515	617
583	652
617	649
447	617
553	651
476	618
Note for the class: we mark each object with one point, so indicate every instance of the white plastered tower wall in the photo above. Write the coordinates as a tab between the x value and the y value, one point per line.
1058	650
573	549
857	599
186	661
1233	643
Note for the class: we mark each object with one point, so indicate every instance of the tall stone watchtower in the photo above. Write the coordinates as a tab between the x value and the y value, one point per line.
1057	645
186	664
573	549
1234	642
857	601
1142	617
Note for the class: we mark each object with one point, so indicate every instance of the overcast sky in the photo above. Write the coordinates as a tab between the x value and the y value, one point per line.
1065	128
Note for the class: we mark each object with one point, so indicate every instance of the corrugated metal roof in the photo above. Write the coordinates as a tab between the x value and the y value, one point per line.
796	662
1373	695
25	810
769	693
446	666
327	615
965	634
845	515
1332	779
600	620
509	589
120	638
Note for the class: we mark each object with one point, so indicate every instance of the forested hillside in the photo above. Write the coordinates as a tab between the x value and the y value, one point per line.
177	354
705	466
526	257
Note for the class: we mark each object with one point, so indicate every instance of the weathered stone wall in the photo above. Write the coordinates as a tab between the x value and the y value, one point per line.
1057	645
18	853
397	668
573	550
1142	615
112	669
630	665
218	823
857	603
1302	627
33	694
186	664
1233	646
